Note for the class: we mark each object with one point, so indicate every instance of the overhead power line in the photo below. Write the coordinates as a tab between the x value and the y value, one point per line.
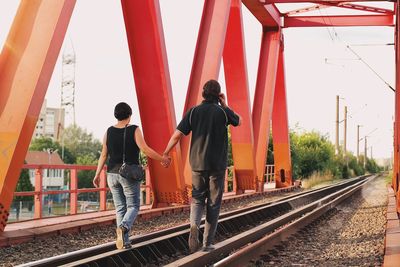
387	44
358	56
376	73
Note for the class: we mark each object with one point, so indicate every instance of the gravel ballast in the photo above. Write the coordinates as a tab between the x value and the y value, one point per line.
351	234
56	245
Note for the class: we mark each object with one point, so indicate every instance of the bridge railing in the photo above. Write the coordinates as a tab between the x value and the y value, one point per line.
48	199
61	195
269	173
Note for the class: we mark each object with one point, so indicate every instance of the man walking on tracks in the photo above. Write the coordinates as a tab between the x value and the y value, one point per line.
208	158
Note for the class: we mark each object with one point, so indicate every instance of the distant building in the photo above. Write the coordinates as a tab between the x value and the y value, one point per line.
52	179
50	122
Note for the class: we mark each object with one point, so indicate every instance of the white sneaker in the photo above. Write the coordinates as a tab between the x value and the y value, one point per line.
120	237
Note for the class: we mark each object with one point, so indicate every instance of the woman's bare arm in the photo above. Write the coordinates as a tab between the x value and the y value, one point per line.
101	162
148	150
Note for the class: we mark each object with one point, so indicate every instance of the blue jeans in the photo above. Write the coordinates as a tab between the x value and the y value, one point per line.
126	196
207	191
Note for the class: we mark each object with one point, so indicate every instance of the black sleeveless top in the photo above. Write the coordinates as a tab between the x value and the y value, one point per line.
115	138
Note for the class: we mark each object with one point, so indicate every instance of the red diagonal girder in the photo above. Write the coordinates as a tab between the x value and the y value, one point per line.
264	97
339	21
26	63
341	5
153	86
267	15
280	128
206	61
237	88
308	1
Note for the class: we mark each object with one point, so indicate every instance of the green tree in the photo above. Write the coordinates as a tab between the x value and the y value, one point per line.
311	152
270	151
24	184
371	166
355	167
42	143
85	177
293	136
81	143
230	157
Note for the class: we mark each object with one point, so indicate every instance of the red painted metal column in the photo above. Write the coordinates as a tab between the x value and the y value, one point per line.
103	192
263	98
206	62
148	188
153	88
26	62
396	152
38	194
280	129
73	198
239	99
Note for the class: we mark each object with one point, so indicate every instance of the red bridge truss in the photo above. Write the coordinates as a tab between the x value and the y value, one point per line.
37	33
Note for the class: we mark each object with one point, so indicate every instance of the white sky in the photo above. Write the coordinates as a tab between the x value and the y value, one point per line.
104	75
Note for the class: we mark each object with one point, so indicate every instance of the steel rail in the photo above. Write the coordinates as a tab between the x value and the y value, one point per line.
173	240
99	249
110	246
243	256
253	243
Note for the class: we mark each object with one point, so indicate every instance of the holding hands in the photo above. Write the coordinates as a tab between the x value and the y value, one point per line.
166	161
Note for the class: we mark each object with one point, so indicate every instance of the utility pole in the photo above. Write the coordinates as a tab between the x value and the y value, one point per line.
68	83
365	151
337	125
345	131
371	152
358	143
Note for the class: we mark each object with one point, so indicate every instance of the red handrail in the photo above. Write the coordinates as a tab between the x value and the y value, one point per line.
73	190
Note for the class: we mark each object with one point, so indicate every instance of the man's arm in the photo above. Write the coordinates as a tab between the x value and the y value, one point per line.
183	128
240	119
176	136
148	151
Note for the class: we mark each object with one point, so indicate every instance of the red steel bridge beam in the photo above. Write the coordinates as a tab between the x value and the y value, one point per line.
206	62
280	129
396	152
341	5
320	2
239	99
153	88
339	21
263	98
26	63
268	15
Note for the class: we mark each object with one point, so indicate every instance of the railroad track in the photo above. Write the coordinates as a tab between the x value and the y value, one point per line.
236	229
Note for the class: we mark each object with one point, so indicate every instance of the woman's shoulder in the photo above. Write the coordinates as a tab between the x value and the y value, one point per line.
133	126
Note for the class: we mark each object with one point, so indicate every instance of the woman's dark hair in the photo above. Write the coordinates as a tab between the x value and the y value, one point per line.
211	90
122	111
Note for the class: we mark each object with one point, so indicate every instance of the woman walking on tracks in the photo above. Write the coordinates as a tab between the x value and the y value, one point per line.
124	141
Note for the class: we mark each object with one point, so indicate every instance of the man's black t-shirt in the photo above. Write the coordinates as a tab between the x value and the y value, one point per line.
209	146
